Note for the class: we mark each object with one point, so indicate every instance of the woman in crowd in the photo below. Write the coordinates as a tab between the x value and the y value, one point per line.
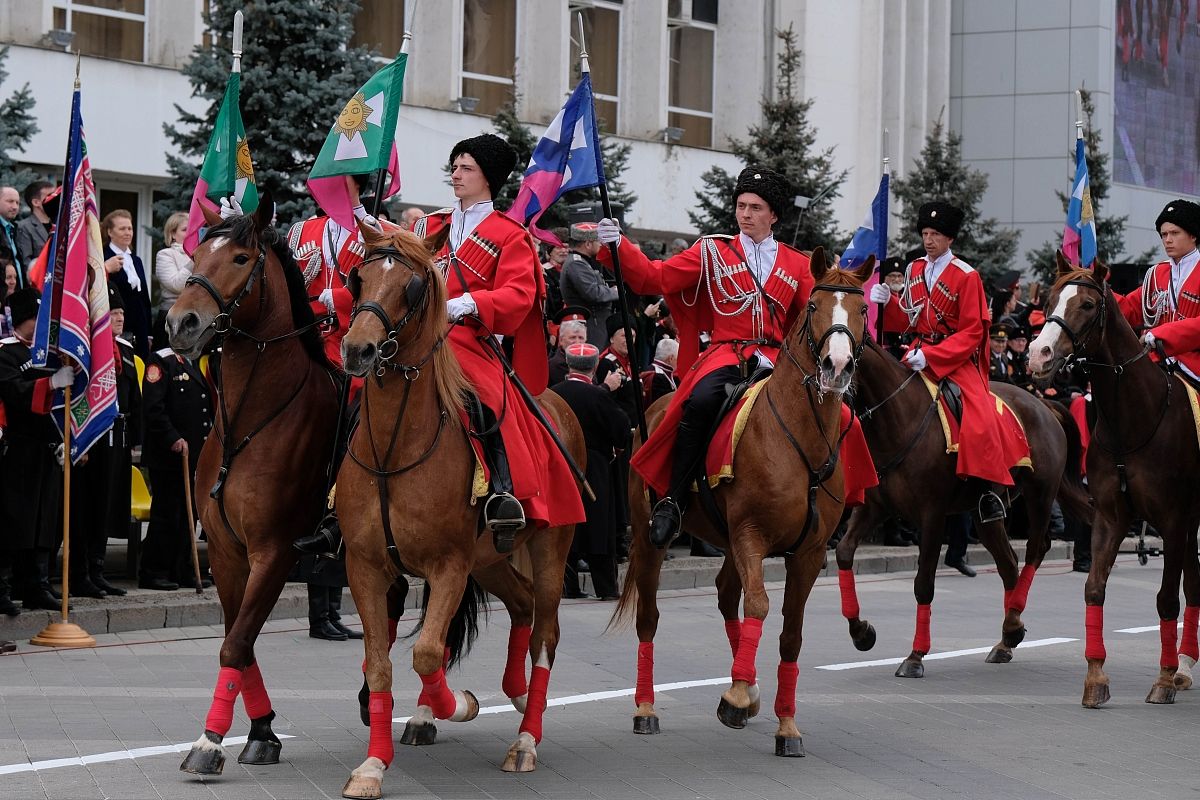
173	267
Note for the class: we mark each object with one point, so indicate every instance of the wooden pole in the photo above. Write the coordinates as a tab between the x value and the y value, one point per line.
191	531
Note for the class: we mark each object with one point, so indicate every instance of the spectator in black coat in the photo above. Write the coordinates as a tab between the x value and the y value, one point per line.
125	271
33	230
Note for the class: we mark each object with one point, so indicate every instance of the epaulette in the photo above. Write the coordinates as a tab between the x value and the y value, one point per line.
728	236
9	340
123	341
964	266
441	212
166	352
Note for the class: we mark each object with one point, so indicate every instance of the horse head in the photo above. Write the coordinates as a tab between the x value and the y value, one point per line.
226	281
1075	325
392	289
836	322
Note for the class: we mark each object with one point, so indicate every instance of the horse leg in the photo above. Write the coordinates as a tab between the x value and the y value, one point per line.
863	520
549	553
1189	650
1174	548
729	602
642	575
396	595
747	545
447	589
927	560
262	587
515	591
802	571
1107	534
994	537
374	594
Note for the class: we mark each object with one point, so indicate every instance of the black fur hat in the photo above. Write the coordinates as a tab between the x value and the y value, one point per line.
942	217
493	155
1183	213
767	184
23	304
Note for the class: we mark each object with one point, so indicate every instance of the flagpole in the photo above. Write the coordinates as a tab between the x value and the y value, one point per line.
622	292
887	169
377	202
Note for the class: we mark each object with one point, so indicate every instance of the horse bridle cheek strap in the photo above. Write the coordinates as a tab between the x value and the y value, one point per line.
223	322
1080	337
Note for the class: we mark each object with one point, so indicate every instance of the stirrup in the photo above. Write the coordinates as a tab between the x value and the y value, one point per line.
665	522
503	516
990	507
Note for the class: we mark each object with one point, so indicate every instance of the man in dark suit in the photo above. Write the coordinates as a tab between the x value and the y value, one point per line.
125	271
177	406
606	431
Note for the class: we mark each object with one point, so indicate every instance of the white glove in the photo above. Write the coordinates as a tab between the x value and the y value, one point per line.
880	293
58	455
608	232
230	207
1149	339
326	298
459	307
915	360
63	378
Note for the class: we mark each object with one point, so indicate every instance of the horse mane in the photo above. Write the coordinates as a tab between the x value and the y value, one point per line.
244	231
452	383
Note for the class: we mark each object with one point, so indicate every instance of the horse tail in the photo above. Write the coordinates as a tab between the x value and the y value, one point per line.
626	609
1072	493
464	626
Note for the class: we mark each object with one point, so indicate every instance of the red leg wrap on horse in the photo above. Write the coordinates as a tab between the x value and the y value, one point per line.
1168	633
1021	593
850	609
1093	626
1008	599
379	707
733	632
531	723
254	693
785	697
1188	645
220	713
392	623
514	670
644	692
921	637
743	662
437	694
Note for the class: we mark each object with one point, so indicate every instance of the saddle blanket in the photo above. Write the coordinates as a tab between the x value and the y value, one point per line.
950	423
480	476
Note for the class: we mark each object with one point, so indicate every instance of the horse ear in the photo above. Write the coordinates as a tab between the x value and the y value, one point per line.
437	241
211	218
1100	270
864	272
817	264
264	212
371	237
1064	266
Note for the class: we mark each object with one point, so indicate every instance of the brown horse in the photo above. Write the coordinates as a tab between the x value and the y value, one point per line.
407	503
1142	460
787	498
917	481
262	474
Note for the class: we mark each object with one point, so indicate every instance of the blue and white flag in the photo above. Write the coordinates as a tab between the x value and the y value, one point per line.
871	240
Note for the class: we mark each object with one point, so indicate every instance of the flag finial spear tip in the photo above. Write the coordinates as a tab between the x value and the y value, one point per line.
238	19
404	43
584	66
78	58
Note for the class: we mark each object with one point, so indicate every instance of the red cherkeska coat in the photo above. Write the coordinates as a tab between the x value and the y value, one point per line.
951	326
309	241
1178	326
696	290
500	268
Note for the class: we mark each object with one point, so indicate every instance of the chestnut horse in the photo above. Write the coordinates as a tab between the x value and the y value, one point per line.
1142	461
786	498
917	481
407	504
262	474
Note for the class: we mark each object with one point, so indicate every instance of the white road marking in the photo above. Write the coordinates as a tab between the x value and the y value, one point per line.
973	651
115	755
1142	629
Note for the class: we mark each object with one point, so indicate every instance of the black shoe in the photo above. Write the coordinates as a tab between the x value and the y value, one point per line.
1082	565
574	594
325	630
703	549
42	599
8	607
503	516
349	632
99	580
895	538
190	583
582	566
7	646
962	566
158	584
324	542
665	523
55	593
85	588
990	508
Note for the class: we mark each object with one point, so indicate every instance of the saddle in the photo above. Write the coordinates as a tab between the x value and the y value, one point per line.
951	394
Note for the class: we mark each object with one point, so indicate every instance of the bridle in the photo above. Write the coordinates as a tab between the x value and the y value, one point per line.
1080	338
222	323
417	296
815	345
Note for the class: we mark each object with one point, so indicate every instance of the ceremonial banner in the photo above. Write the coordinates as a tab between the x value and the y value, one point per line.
73	324
228	170
870	240
1079	235
362	140
567	157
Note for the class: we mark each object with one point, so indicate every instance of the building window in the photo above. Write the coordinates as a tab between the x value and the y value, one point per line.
379	26
489	52
105	28
690	103
602	34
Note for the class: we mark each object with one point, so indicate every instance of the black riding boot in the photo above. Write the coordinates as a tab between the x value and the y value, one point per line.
38	594
335	614
668	512
319	626
7	606
327	541
502	512
991	507
96	573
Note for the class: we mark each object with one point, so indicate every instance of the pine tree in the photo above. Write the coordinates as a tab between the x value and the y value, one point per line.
297	72
17	126
786	143
1110	231
940	174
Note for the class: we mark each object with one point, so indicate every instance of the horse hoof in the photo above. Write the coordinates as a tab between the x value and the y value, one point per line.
261	751
1161	695
363	788
1001	654
1183	681
865	642
522	756
418	735
466	707
910	668
1095	695
646	725
207	756
731	716
1013	638
789	746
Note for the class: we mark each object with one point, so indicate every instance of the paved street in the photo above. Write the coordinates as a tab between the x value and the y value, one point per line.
967	730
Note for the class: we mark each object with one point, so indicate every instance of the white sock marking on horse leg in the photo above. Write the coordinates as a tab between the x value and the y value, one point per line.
462	706
204	743
371	768
422	716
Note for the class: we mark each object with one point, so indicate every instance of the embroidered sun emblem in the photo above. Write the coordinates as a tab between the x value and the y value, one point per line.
353	118
245	165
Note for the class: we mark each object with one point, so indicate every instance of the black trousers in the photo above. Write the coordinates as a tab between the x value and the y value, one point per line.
700	411
958	527
92	494
167	552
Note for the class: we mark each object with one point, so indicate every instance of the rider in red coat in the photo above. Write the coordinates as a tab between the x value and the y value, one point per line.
495	287
746	291
949	317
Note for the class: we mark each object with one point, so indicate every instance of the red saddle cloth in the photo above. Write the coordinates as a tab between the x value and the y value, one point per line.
1008	421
